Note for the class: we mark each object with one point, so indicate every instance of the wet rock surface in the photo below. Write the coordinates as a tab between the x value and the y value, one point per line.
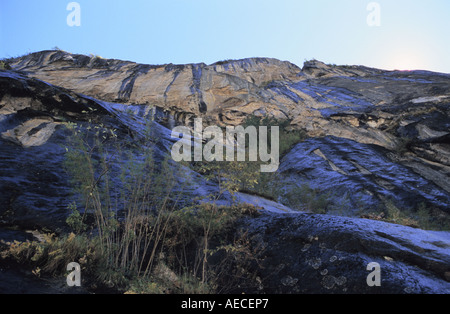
306	253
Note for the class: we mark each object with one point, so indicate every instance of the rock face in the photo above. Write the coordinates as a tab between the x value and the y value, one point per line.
318	254
374	135
358	175
34	182
349	101
185	90
399	111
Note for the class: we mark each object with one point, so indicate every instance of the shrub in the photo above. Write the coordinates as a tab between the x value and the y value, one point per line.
52	255
131	214
4	65
288	136
430	218
403	145
246	176
395	215
130	232
306	198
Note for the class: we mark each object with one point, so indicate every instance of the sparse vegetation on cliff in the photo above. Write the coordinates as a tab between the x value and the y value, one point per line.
138	237
4	65
139	223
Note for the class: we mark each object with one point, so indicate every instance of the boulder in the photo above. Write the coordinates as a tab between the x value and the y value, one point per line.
319	254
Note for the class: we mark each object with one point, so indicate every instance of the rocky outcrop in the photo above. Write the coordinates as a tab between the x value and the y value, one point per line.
357	176
304	253
220	90
34	182
405	114
354	102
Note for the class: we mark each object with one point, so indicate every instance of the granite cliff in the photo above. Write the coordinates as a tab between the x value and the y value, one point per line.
400	115
373	135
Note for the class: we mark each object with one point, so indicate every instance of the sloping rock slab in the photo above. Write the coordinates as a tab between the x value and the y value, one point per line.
304	253
361	173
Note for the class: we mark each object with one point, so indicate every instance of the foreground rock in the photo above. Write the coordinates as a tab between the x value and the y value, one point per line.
309	254
306	253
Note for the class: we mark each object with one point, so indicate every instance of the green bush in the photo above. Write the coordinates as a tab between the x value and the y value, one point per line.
129	231
4	65
430	218
306	198
288	135
246	176
403	145
131	214
423	217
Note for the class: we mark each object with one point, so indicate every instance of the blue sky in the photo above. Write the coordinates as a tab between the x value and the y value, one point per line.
413	34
